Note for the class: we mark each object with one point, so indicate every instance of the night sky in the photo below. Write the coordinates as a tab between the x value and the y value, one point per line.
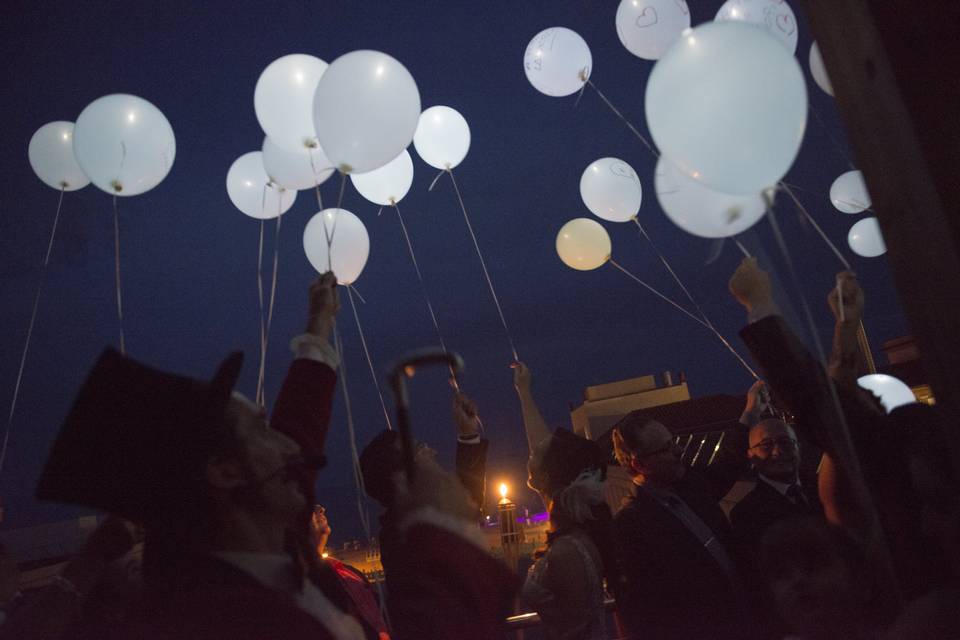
189	257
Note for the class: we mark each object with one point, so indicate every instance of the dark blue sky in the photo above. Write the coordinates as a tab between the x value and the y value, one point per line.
189	257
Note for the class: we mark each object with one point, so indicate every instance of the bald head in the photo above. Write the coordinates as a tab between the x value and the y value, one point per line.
774	451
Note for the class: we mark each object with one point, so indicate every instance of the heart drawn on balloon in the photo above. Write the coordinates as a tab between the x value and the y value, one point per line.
647	18
785	23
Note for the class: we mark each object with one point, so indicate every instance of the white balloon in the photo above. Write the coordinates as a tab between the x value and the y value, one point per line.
283	100
866	240
728	106
892	392
251	190
365	110
818	71
848	193
388	184
611	190
701	211
295	169
557	62
51	156
773	16
647	28
583	244
442	138
349	244
124	144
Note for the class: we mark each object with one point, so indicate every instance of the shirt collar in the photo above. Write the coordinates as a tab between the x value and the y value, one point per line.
781	487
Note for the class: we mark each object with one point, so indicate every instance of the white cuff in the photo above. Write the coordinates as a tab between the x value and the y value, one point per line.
474	439
311	347
762	311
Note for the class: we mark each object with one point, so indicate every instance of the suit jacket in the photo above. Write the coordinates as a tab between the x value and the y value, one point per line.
764	506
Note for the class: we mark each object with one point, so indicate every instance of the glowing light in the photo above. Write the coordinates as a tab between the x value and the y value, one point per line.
298	76
131	117
324	555
503	490
66	135
247	183
380	69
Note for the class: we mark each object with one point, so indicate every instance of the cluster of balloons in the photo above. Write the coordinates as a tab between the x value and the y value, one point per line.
892	391
848	193
121	143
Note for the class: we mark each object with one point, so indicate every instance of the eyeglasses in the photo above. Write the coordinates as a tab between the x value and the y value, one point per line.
767	446
666	448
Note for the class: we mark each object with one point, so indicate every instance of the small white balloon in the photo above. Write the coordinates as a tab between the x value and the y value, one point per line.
583	244
728	106
701	211
557	62
848	193
124	144
365	110
283	100
647	28
611	190
442	138
866	240
295	169
892	392
818	71
773	16
349	244
251	190
388	184
51	156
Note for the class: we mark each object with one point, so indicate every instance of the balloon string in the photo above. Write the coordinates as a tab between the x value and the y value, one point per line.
270	307
624	119
329	233
830	136
260	374
657	293
116	256
316	181
483	265
33	320
743	249
434	183
366	352
423	290
806	214
690	297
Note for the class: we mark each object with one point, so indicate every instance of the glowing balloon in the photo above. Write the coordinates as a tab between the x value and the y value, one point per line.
701	211
728	105
557	62
611	190
124	144
583	244
892	392
349	244
51	156
866	240
283	100
647	28
848	193
388	184
773	16
442	138
295	169
251	191
365	110
818	71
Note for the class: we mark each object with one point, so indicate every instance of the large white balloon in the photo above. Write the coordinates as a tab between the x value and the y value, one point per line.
51	156
295	169
647	28
728	105
283	100
365	110
866	240
124	144
388	184
251	190
773	16
892	392
611	190
583	244
349	244
818	71
557	62
701	211
442	138
848	193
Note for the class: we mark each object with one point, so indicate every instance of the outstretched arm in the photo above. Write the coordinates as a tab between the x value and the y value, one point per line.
846	302
471	449
533	422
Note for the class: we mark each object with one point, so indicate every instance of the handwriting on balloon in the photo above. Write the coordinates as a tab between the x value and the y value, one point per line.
647	18
623	170
786	24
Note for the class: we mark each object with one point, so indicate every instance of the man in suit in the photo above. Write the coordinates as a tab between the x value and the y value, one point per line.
775	454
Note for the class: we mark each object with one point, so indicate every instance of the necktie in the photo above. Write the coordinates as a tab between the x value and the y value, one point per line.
796	494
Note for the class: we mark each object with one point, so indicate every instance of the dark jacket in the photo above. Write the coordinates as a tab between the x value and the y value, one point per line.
763	506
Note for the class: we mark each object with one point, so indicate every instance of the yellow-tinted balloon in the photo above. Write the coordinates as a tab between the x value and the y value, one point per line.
583	244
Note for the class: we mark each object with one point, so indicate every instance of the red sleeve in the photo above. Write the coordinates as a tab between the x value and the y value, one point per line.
303	407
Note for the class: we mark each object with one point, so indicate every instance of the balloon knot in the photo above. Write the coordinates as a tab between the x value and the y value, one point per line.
345	168
117	186
64	184
311	143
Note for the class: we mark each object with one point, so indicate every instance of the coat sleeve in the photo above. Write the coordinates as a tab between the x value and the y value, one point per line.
303	407
471	468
